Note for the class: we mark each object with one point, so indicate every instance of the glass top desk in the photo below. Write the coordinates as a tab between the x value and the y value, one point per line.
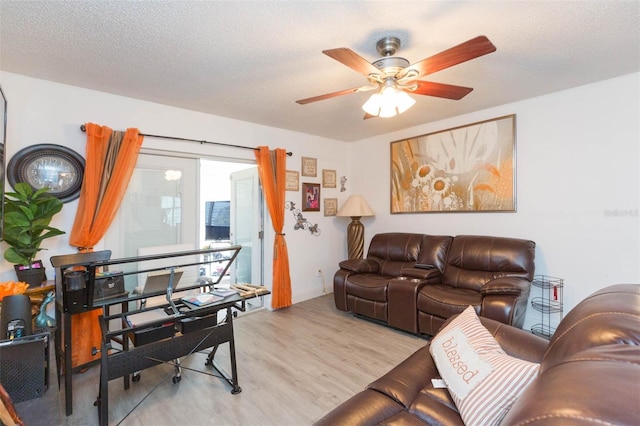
129	345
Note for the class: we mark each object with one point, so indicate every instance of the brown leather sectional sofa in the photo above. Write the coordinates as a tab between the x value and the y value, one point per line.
414	282
589	373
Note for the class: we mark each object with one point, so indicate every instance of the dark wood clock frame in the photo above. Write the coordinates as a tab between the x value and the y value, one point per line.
17	169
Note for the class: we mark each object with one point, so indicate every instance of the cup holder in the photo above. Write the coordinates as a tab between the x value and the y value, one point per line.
413	280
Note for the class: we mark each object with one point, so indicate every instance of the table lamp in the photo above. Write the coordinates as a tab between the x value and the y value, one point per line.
355	207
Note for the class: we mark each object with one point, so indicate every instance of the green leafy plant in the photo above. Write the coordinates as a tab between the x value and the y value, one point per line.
27	215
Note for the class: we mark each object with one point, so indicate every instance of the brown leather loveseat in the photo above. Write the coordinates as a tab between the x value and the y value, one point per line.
589	374
414	282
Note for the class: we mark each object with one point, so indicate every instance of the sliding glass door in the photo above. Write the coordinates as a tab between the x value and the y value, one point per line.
159	208
166	206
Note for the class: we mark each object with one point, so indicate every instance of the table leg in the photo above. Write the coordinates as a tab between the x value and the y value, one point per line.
232	350
58	342
103	393
68	391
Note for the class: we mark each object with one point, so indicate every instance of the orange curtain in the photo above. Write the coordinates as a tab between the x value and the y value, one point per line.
271	169
110	160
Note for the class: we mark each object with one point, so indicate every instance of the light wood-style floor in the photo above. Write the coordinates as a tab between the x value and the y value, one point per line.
294	365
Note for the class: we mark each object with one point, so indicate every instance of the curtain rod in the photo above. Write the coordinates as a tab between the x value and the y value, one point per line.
84	129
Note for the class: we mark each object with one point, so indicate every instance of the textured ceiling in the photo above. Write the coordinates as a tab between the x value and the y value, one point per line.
251	60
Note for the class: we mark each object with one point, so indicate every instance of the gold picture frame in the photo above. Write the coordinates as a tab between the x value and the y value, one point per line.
330	206
293	180
470	168
309	167
328	178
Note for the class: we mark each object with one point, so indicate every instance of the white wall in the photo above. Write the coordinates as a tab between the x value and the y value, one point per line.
578	185
44	112
578	182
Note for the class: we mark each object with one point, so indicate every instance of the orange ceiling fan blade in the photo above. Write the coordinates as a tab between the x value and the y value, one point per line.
439	90
335	94
327	96
351	59
463	52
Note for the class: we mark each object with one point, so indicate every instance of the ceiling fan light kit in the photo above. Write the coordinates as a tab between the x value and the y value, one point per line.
394	78
388	102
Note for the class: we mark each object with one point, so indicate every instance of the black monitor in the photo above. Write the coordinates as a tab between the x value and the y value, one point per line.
217	216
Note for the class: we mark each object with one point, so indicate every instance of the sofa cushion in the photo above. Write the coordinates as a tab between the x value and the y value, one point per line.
608	316
409	384
444	301
474	260
398	246
597	386
483	380
434	249
368	286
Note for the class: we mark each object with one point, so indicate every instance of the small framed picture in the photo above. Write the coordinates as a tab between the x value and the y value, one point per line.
293	181
310	197
309	166
328	178
330	206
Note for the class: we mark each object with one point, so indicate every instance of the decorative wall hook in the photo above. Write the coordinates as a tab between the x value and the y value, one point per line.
301	221
343	181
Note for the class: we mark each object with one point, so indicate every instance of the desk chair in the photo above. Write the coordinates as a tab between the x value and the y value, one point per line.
155	282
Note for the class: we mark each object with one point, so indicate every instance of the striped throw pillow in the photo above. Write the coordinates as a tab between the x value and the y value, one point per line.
483	380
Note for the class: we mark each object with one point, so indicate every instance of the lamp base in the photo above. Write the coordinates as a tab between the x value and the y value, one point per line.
355	238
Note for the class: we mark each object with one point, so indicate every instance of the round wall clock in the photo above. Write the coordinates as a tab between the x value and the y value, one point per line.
46	165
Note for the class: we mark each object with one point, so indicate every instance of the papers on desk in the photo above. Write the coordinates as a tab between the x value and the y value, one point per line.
224	292
202	299
141	318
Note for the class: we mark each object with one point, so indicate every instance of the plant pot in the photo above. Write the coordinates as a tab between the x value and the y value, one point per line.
32	276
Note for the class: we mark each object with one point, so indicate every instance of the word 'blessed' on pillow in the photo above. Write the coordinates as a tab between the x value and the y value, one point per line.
482	379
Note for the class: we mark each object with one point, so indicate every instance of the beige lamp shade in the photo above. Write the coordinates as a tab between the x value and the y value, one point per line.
355	207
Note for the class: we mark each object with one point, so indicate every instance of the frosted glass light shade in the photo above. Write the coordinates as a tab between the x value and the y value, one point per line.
373	104
388	102
403	101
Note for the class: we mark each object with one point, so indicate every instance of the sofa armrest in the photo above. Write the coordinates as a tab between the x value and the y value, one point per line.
368	407
404	382
517	342
513	340
423	274
513	286
359	266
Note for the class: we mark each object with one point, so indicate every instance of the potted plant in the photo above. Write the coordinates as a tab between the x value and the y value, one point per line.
27	214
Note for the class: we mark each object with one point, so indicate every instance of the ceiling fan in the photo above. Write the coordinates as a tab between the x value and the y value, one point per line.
394	77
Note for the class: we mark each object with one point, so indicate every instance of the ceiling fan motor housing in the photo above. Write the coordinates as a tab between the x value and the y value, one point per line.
388	46
389	64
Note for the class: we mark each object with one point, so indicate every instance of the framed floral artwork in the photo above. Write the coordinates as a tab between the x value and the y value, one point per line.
469	168
310	197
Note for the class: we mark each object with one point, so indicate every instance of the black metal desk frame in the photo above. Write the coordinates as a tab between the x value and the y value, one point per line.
116	364
204	330
63	344
100	261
